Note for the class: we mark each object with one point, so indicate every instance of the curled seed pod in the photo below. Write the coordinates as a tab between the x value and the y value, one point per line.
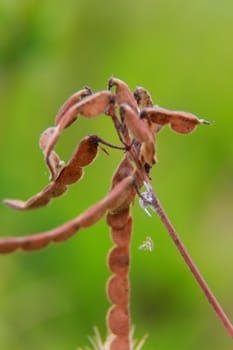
123	93
147	153
53	161
90	107
45	136
143	131
85	153
143	97
76	97
69	175
72	172
39	240
39	200
92	215
96	104
136	126
17	203
114	198
65	231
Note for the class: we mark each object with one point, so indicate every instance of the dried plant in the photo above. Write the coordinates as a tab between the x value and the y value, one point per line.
137	122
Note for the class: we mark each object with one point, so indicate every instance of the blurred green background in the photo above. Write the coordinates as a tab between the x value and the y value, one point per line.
182	51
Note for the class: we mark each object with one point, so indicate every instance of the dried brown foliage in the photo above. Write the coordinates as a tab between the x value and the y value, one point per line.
137	122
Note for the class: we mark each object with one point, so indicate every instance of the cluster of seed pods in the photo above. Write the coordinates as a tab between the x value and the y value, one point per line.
137	122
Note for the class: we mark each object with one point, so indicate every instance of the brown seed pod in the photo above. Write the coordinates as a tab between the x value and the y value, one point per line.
136	126
136	121
118	290
123	93
122	343
65	231
122	236
118	321
53	161
89	107
181	122
76	97
118	220
143	131
143	97
85	153
118	260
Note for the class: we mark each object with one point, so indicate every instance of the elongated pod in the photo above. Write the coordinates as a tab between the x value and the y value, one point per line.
118	318
123	93
116	197
142	131
89	107
76	97
181	122
120	221
84	154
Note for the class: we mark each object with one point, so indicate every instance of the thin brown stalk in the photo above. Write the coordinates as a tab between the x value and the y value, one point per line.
192	266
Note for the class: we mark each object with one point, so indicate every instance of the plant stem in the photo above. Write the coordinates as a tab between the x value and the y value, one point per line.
192	266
